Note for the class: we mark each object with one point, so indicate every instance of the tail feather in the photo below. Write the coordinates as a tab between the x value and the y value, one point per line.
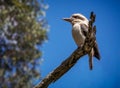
93	52
96	51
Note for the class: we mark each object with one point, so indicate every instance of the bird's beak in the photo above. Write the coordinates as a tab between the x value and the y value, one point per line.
67	19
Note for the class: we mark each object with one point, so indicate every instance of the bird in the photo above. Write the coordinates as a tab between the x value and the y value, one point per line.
80	26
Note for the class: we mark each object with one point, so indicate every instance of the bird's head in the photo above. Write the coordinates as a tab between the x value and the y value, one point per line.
77	18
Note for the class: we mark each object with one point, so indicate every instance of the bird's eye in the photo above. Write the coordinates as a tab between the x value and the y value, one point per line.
75	17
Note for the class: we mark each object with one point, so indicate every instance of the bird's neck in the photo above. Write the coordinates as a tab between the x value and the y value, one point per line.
76	26
74	23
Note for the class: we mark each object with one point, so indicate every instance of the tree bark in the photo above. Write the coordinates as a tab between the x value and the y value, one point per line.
73	58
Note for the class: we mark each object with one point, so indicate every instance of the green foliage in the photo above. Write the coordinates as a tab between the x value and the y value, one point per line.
20	35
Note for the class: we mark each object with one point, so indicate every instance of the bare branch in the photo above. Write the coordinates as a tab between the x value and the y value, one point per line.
73	58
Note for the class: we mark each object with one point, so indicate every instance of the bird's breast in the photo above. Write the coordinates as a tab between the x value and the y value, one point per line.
77	35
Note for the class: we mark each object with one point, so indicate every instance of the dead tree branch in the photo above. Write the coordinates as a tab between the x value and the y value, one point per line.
73	58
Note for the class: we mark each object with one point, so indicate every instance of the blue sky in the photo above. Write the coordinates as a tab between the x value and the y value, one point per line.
106	72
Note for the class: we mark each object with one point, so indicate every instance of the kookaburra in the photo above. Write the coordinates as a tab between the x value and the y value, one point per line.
79	32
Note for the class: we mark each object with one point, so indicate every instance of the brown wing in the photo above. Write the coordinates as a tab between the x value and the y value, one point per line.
84	29
95	48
